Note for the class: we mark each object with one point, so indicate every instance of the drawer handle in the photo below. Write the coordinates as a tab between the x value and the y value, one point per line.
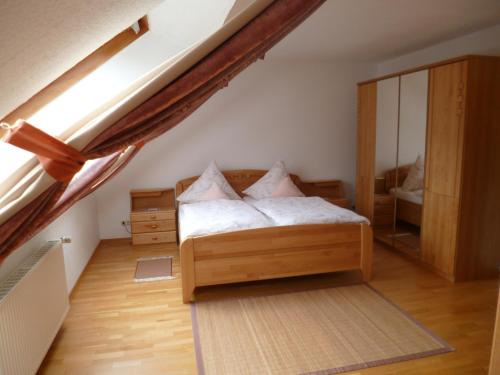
154	226
153	217
155	238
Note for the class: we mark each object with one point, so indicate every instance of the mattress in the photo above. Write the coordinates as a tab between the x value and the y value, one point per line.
218	216
304	210
416	196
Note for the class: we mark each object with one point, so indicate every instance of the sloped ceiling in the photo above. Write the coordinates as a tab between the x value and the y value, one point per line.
40	40
182	23
374	30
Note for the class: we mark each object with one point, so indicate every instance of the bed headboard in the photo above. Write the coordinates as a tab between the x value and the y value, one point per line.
390	176
242	178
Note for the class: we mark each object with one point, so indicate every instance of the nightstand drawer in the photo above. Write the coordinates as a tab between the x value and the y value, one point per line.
152	216
158	237
153	226
384	200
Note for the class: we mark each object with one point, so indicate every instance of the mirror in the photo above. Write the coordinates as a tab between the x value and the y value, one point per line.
409	190
399	160
386	147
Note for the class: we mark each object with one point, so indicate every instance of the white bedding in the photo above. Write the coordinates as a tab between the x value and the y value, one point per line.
416	196
218	216
304	210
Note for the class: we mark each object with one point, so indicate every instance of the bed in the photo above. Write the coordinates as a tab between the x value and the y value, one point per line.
267	252
408	203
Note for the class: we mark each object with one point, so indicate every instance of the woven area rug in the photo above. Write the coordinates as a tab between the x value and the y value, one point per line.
323	331
153	269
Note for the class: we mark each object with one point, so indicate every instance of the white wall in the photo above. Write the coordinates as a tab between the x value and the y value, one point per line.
482	42
79	223
303	113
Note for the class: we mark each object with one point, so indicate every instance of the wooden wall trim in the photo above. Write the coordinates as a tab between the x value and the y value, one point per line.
77	72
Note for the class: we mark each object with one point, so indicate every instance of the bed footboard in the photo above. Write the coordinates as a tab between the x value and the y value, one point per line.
187	269
267	253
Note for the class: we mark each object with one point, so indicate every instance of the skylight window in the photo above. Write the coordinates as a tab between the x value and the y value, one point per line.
173	26
53	113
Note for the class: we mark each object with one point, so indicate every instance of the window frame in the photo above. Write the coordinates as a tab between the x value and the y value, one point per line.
77	72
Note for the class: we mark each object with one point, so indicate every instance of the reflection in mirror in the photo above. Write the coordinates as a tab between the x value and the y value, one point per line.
385	157
409	190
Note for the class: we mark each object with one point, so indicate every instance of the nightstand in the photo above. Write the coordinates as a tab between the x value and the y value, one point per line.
383	211
152	216
330	190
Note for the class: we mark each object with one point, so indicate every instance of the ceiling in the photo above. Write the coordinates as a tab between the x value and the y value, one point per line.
40	40
368	30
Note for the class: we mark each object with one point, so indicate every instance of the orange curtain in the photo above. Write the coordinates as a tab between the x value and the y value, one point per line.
59	160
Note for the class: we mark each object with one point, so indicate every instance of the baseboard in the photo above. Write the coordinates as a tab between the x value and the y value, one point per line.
116	241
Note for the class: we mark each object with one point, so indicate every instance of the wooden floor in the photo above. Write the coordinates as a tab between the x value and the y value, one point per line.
117	326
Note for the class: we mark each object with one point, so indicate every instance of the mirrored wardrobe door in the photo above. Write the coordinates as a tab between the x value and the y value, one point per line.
385	158
409	191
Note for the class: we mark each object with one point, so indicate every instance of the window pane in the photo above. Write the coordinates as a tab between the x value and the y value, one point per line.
12	158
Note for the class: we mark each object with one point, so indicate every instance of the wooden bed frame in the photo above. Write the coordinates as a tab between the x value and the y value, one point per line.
275	252
406	211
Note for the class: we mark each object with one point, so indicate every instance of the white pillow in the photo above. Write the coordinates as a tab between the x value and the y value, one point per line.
415	178
267	184
196	191
286	188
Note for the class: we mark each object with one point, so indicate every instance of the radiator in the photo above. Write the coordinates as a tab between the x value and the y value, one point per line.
33	304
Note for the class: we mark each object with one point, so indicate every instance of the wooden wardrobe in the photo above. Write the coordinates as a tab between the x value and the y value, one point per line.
460	223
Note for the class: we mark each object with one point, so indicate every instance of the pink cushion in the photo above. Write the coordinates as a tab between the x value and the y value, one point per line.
286	188
212	193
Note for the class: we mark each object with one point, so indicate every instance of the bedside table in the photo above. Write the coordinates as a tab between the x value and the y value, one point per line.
152	216
383	211
330	190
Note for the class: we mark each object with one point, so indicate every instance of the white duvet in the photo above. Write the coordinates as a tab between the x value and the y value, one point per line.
304	210
224	215
415	196
219	216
